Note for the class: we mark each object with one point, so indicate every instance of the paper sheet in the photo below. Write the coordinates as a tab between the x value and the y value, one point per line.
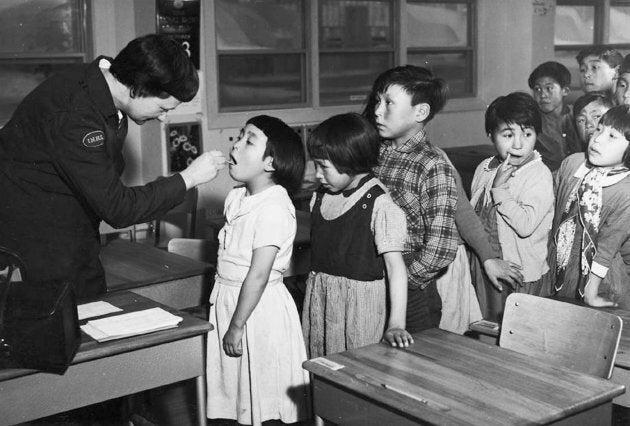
131	324
95	309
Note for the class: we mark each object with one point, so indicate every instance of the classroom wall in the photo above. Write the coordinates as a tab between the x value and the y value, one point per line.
514	36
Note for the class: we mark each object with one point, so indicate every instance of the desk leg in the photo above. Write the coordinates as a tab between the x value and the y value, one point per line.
200	381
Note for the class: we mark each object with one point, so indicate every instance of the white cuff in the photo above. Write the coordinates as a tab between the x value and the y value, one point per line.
598	269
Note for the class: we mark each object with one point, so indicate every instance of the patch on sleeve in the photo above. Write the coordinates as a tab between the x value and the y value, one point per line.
94	139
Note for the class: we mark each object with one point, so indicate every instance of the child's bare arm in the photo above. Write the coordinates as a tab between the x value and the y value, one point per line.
251	291
396	270
474	234
591	296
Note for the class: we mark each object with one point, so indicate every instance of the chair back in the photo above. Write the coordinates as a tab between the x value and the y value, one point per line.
576	337
194	248
179	222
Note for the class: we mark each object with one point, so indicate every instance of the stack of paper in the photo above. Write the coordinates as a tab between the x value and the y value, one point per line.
131	324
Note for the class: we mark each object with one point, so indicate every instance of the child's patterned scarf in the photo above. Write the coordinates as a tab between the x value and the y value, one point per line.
585	203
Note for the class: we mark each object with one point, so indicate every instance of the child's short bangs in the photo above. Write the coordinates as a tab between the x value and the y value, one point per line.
285	146
587	99
516	108
619	119
554	70
607	54
348	141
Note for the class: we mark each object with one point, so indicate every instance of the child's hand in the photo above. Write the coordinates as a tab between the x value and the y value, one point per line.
504	172
398	337
504	270
232	341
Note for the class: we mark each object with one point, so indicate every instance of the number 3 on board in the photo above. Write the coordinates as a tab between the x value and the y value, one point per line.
186	47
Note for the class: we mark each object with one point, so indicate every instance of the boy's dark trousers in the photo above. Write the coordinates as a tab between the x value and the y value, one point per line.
424	308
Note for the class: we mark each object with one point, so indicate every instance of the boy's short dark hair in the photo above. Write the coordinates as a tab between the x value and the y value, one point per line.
551	69
581	102
419	82
285	146
156	65
607	54
518	108
619	119
349	141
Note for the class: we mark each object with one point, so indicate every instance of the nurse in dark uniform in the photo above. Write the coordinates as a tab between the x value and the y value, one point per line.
61	159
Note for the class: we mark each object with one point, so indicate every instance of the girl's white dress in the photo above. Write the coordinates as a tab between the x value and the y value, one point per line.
267	381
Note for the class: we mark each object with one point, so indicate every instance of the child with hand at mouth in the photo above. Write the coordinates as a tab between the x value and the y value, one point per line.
512	192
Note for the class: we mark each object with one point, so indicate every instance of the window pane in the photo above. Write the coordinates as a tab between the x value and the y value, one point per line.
254	24
18	79
260	80
355	23
619	29
40	26
455	68
437	25
347	78
567	58
574	25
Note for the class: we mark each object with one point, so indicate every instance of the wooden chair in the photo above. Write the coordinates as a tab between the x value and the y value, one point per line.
198	249
195	248
179	222
575	337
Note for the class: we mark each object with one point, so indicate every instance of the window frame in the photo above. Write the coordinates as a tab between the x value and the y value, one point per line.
470	49
85	48
313	111
83	54
303	53
601	30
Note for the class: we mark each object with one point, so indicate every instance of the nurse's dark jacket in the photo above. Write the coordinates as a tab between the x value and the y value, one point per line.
60	167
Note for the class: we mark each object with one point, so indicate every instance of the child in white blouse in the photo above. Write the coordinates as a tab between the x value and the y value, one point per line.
256	349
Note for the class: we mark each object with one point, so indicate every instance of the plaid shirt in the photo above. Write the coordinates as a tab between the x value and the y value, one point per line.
422	183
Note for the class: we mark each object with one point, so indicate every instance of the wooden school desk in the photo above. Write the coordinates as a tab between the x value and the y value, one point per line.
621	371
174	280
103	371
445	378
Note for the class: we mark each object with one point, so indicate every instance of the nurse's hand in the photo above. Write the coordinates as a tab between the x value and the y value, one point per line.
203	169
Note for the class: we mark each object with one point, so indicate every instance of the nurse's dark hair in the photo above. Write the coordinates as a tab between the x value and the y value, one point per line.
349	141
619	119
156	65
516	108
418	82
286	148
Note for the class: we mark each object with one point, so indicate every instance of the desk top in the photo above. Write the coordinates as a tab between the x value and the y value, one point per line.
129	302
464	381
130	265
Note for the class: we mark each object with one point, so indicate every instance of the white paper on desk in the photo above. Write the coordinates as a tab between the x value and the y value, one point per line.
95	309
131	324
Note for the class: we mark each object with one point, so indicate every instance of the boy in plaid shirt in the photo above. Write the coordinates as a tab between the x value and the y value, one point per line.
403	100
